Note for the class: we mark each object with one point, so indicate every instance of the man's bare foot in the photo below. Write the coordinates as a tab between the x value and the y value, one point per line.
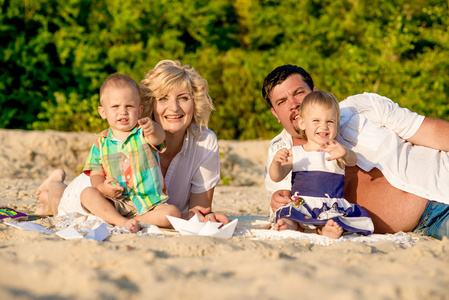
331	229
132	225
285	224
57	175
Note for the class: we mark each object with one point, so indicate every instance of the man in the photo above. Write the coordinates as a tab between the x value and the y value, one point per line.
385	138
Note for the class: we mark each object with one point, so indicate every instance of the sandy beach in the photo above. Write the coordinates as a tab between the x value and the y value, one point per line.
129	266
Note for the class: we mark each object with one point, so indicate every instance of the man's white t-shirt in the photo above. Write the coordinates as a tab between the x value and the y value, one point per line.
376	129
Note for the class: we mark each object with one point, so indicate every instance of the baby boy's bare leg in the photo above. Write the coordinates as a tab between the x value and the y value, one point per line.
158	216
101	207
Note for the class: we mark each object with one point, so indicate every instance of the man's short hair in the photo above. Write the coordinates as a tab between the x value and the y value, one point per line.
279	75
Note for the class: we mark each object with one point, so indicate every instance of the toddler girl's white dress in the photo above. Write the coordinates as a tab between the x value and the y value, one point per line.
317	194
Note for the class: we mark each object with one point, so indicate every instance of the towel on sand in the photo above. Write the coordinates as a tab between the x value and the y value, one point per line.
249	226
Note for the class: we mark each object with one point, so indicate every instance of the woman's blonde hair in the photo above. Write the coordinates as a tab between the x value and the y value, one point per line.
325	99
168	75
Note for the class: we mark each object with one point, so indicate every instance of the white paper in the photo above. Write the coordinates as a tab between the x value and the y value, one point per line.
69	233
29	226
195	227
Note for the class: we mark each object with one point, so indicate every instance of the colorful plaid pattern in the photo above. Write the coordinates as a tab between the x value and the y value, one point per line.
134	164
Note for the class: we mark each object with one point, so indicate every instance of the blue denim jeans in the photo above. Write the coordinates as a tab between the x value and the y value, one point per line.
434	221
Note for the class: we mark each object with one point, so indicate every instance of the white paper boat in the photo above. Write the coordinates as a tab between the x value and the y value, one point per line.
195	227
99	234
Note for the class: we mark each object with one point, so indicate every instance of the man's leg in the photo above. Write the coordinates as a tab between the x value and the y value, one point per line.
435	221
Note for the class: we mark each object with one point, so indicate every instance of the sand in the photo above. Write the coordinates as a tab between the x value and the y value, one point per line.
128	266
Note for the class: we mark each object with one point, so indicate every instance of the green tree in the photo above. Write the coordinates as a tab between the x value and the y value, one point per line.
55	54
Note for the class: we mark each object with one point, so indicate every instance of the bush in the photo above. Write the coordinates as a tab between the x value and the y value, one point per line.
55	54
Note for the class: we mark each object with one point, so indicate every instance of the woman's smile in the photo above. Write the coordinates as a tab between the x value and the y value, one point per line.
174	111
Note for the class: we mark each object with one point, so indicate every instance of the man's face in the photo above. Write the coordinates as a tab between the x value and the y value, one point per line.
286	99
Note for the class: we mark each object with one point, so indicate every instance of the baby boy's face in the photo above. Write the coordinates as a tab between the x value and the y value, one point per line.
121	107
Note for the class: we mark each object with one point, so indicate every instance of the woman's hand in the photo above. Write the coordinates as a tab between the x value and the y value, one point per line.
205	214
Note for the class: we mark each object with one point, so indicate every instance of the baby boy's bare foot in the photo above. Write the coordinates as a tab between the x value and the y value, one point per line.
132	225
57	175
332	230
285	224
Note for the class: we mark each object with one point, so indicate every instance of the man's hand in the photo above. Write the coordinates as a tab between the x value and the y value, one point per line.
280	198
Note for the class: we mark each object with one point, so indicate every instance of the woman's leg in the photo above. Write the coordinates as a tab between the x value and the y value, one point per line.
49	193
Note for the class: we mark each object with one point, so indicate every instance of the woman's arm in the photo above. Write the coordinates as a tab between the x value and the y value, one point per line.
200	204
203	200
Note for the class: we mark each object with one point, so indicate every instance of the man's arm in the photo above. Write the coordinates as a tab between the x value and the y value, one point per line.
432	133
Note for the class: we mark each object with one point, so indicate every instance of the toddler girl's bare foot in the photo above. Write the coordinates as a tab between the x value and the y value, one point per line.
285	224
57	175
132	225
332	230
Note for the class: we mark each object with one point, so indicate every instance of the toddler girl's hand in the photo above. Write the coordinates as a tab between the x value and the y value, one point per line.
282	156
335	150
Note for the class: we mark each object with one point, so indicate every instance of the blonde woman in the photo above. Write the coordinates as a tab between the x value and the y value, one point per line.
177	98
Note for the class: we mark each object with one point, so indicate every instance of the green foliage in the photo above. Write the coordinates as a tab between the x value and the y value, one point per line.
55	54
225	180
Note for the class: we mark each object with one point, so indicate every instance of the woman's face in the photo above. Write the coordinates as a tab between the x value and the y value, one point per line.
174	111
